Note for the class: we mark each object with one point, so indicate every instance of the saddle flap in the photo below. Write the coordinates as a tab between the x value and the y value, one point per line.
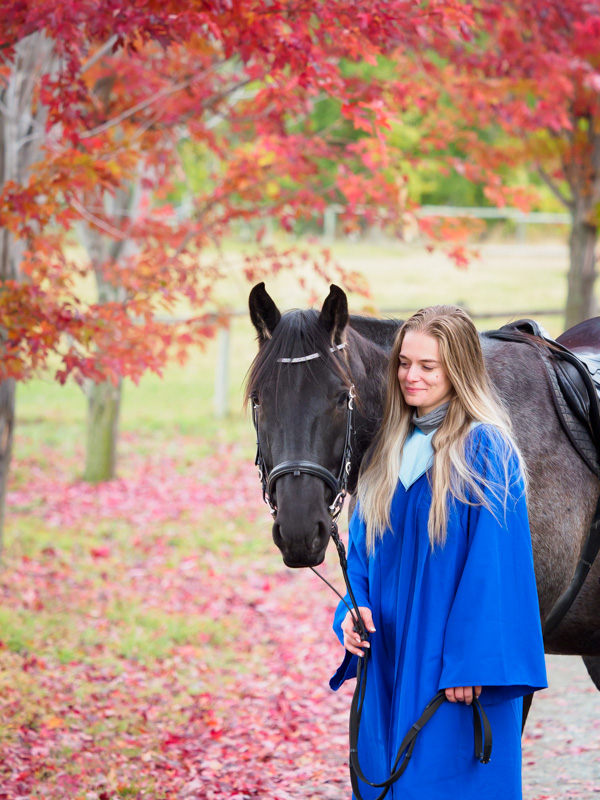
573	389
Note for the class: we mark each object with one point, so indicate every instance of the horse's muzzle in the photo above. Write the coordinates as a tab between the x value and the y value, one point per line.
302	543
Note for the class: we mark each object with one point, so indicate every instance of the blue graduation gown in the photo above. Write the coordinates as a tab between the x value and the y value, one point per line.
465	614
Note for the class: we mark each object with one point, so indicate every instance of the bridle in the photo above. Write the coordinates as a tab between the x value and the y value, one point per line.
339	486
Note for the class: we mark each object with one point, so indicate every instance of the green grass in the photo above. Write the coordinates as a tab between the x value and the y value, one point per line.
148	634
130	628
18	629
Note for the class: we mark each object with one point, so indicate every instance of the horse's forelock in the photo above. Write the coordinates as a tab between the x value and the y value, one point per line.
297	334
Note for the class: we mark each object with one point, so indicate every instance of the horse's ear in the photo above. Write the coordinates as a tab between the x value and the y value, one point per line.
334	314
263	312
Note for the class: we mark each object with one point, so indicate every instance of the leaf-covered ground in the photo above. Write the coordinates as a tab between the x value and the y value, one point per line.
154	646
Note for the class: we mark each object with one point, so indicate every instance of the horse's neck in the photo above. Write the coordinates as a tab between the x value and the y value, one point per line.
370	341
380	332
368	365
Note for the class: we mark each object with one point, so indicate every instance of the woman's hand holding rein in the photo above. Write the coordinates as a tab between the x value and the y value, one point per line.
352	640
463	694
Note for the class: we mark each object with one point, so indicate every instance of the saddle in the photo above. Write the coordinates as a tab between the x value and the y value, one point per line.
574	377
572	364
583	340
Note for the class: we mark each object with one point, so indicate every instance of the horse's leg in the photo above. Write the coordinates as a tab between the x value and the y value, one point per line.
527	700
592	664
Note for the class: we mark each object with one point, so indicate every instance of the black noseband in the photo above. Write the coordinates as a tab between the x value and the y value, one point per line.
308	467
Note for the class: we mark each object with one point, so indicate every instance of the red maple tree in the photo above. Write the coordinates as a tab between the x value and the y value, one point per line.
95	98
520	89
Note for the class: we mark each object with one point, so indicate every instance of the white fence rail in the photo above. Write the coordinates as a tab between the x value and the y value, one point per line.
330	215
521	218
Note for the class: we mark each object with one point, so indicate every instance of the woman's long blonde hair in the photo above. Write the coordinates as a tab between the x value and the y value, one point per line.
472	400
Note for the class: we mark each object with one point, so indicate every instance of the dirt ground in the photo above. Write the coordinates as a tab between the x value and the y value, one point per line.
561	745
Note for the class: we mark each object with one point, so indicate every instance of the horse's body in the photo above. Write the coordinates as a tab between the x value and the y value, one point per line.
302	416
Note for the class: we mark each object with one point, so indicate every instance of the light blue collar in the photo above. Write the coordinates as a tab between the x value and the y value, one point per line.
417	455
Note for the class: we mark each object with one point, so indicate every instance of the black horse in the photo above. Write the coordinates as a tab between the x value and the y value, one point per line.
302	411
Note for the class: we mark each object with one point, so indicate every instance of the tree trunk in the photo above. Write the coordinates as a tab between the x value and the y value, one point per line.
104	401
581	301
104	398
7	422
22	133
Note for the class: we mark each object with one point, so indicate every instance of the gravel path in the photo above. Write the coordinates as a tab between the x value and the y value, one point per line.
561	745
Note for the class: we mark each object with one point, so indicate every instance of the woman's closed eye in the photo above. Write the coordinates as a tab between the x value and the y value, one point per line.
404	365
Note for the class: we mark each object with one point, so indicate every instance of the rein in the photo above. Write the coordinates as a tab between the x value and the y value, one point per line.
339	486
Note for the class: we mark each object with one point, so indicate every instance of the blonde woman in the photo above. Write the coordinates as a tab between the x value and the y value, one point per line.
441	565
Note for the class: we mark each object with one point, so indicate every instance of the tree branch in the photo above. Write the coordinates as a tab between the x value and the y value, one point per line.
32	135
220	116
134	196
102	51
554	188
96	221
143	104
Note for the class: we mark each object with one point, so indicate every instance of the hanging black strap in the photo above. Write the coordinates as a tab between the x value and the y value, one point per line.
591	548
483	733
481	728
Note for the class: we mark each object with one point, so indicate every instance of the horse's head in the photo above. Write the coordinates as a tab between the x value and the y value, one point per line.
301	414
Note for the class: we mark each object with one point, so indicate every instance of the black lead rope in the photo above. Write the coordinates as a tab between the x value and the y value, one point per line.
482	736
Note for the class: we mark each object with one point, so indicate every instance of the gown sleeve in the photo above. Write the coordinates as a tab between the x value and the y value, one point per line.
359	581
493	636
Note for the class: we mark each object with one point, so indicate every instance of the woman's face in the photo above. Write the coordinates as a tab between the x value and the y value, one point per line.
422	378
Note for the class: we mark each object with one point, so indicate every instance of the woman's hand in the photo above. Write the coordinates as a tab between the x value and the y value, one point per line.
463	694
352	641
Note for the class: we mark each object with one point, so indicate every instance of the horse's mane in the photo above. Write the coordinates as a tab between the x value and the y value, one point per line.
298	333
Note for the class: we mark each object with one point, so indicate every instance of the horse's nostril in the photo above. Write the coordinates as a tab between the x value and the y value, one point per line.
320	538
277	537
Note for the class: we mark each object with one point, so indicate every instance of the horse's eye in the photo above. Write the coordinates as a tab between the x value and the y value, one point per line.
342	400
255	407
